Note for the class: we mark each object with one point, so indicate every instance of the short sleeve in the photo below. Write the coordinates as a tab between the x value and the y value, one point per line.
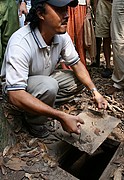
17	67
69	53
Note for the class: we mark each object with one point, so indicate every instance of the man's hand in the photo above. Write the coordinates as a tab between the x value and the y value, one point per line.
23	9
71	124
99	99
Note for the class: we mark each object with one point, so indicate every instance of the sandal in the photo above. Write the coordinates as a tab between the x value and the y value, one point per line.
107	73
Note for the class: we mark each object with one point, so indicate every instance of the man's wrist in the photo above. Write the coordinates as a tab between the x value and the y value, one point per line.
93	90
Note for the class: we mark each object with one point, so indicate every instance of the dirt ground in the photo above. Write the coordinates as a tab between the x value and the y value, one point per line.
29	159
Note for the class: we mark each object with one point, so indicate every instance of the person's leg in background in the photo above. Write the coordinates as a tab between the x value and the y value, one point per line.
107	53
98	51
75	29
117	34
80	13
102	30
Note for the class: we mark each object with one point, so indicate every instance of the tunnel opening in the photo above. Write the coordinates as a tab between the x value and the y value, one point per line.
84	166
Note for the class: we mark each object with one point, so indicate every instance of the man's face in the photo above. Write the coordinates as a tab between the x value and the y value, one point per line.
56	18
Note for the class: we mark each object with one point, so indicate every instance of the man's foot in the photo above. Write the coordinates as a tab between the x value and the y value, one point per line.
112	90
106	73
94	64
39	131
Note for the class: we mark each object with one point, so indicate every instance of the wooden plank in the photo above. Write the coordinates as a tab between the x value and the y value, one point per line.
114	170
94	131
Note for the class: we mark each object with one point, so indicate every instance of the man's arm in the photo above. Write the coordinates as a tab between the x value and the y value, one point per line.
83	75
29	103
22	8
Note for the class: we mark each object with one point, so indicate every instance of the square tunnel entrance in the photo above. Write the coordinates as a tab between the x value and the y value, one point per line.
84	166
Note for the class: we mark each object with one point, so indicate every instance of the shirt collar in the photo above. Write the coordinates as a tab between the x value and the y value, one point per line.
40	41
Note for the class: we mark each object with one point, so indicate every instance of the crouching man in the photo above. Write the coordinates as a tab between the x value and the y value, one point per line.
30	81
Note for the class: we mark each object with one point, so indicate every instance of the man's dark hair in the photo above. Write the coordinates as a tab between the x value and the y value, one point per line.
32	16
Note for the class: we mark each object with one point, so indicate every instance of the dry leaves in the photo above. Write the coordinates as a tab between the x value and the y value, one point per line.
15	164
30	156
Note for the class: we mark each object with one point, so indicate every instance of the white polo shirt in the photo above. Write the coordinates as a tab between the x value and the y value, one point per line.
27	54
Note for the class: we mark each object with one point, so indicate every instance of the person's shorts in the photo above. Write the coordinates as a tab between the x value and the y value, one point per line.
103	18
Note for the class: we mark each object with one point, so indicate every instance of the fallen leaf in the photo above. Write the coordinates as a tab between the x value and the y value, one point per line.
15	164
32	142
6	150
32	153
